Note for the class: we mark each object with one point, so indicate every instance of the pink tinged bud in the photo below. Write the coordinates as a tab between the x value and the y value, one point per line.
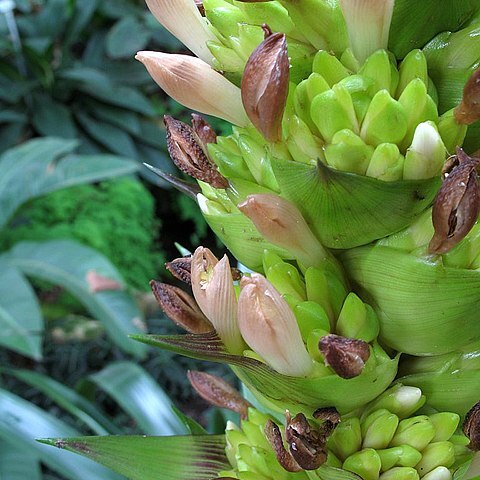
457	204
269	327
265	86
281	223
183	19
218	392
368	24
196	85
212	286
468	111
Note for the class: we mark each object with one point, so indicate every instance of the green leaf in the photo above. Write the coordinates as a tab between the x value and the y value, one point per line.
193	427
67	263
345	210
68	399
127	37
52	118
153	458
131	386
22	422
124	119
280	392
414	23
21	322
42	165
15	464
82	14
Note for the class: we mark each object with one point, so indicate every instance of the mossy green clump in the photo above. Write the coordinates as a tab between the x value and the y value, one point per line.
115	217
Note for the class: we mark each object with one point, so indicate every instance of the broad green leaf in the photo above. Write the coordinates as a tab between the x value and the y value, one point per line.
21	423
124	119
21	322
140	396
415	22
82	14
68	399
42	165
126	37
51	118
67	263
153	458
16	464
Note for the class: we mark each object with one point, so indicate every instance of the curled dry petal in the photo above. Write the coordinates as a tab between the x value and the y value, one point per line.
274	437
457	203
180	307
194	84
183	19
307	445
346	356
330	418
188	155
471	427
269	327
468	111
204	130
265	86
218	392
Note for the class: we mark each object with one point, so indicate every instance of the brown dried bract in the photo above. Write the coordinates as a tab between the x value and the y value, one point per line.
284	458
457	203
204	130
471	427
180	307
265	86
218	392
181	268
188	155
330	418
346	356
468	111
307	445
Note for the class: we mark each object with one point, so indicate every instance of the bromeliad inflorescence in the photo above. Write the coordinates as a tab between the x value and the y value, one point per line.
349	189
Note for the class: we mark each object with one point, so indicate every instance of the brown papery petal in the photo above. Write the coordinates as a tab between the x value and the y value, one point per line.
346	356
456	205
188	155
471	427
330	418
468	111
181	268
284	458
265	86
203	129
218	392
180	307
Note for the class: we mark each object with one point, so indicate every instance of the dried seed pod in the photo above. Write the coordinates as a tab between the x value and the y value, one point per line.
471	427
284	458
265	86
346	356
218	392
468	111
188	155
180	307
307	445
181	268
457	203
204	130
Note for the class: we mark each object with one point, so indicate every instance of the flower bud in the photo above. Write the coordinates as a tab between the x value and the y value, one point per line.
456	205
180	307
435	455
413	66
346	356
188	155
269	327
417	432
265	86
468	111
329	67
400	473
212	286
192	30
194	84
471	427
365	463
445	424
379	68
218	392
439	473
401	456
452	133
378	429
346	439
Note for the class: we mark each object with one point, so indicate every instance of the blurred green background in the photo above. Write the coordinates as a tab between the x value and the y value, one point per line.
78	117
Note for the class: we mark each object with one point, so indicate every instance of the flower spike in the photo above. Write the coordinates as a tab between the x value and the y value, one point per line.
183	19
194	84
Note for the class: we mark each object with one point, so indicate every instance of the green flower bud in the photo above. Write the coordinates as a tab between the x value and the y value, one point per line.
329	67
402	456
229	163
452	133
439	473
378	67
435	455
400	473
385	121
226	59
313	340
287	280
386	163
346	438
413	66
445	424
417	432
302	144
310	316
315	85
357	320
302	104
224	16
365	463
378	429
249	37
